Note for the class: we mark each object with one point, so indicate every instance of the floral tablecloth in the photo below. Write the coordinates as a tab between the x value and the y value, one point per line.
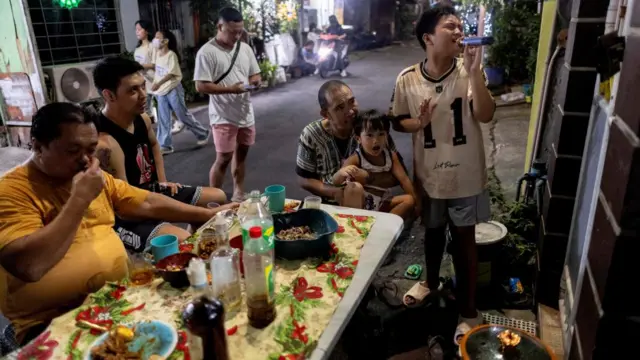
308	293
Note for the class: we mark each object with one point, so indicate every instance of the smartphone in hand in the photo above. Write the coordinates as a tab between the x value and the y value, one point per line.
250	87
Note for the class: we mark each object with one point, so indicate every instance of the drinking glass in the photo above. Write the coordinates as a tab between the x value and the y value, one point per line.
312	202
141	272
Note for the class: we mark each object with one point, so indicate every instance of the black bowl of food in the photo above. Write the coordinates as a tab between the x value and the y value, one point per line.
303	234
173	269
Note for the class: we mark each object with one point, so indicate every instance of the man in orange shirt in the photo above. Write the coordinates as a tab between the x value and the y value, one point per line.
57	211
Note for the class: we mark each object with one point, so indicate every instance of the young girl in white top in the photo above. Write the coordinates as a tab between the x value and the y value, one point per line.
144	54
383	167
169	92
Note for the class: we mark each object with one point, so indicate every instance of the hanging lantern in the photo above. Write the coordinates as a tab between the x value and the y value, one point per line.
68	4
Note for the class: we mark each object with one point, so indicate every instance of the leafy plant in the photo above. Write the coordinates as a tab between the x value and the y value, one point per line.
267	70
127	55
516	29
189	64
405	18
287	14
519	246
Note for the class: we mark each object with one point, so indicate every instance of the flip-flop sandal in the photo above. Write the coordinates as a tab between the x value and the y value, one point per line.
387	292
418	292
464	327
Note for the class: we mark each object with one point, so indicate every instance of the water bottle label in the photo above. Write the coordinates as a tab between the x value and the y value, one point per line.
267	235
268	275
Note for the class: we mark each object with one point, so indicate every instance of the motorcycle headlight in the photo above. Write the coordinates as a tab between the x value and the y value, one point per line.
323	52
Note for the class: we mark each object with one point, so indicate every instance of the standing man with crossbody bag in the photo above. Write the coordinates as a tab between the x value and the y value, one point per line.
226	69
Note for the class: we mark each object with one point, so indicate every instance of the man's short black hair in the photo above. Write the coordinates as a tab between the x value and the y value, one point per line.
45	124
430	18
309	42
230	14
109	71
325	89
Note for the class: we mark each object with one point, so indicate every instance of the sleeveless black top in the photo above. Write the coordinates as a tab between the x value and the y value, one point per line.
139	164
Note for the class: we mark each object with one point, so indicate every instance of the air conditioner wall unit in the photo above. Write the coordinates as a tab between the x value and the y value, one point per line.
72	82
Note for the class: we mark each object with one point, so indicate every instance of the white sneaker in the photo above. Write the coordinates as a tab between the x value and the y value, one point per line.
166	151
343	73
316	72
177	127
204	141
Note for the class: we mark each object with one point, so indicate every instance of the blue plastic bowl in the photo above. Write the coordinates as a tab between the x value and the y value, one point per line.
323	225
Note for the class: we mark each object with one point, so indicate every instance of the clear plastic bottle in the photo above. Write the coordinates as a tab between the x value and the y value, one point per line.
259	278
225	268
254	213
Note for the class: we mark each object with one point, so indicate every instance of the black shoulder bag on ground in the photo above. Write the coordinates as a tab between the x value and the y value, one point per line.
233	62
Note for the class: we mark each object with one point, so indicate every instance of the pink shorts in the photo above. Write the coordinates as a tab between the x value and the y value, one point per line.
227	136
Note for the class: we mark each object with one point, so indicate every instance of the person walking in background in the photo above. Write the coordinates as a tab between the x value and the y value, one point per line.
145	55
170	94
225	69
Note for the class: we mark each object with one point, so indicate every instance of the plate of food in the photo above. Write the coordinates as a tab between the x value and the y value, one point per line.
291	206
146	340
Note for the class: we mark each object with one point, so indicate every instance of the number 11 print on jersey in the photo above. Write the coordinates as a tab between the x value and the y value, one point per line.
458	138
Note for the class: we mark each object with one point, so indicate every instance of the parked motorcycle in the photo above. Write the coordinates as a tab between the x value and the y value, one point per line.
329	53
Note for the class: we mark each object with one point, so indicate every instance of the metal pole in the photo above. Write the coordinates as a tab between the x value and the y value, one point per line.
300	18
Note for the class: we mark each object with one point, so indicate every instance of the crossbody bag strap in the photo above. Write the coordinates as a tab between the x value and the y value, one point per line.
233	61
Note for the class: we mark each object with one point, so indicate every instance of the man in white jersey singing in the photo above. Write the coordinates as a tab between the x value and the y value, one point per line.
442	101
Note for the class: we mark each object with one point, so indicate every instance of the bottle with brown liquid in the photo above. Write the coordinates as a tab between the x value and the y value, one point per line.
258	274
204	318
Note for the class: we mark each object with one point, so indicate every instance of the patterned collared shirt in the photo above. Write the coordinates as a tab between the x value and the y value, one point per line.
320	155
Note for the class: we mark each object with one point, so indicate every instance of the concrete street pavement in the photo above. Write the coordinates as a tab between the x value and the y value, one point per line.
281	114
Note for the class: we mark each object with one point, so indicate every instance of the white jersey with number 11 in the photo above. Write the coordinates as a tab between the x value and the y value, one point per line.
449	152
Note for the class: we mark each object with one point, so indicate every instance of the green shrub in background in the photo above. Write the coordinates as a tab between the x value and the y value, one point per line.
516	29
267	70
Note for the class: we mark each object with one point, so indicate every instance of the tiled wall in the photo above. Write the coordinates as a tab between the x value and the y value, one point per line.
608	316
569	119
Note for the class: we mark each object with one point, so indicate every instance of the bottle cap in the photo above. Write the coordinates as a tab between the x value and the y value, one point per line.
255	232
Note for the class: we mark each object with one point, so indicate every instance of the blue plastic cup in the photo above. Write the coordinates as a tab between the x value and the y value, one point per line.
276	197
163	246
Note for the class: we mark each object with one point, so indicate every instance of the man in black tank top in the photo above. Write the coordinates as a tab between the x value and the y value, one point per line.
128	150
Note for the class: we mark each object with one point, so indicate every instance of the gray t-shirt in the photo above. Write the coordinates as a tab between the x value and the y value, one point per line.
212	61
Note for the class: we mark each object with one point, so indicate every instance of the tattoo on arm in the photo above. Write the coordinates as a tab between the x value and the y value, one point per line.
104	155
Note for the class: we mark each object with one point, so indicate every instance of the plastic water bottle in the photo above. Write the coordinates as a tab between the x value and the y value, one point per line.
225	269
258	258
254	213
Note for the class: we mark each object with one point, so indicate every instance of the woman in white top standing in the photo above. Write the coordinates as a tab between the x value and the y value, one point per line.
145	55
167	88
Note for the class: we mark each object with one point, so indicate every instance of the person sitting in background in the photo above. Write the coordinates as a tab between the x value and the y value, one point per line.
129	151
57	243
307	59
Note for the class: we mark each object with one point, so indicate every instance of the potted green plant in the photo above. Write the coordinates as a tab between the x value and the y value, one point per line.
267	72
